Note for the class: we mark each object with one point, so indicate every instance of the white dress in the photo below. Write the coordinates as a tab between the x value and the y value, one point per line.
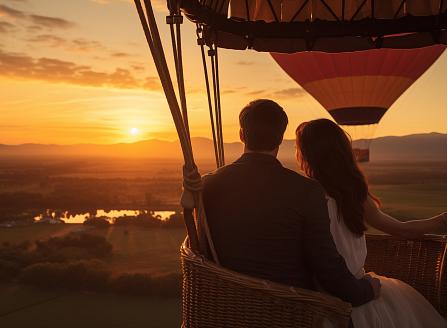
399	304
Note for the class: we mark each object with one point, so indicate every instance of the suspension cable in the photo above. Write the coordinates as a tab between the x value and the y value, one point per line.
212	54
213	74
201	43
176	19
219	112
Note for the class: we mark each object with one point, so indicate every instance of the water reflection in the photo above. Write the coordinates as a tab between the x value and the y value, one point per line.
54	217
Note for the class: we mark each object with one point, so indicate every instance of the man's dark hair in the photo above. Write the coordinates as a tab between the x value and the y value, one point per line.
263	123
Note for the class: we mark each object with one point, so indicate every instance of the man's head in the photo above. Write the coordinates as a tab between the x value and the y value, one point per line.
262	125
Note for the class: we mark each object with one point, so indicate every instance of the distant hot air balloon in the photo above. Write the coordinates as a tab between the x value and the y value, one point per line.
357	88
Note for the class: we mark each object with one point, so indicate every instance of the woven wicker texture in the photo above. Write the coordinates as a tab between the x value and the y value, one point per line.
216	297
420	263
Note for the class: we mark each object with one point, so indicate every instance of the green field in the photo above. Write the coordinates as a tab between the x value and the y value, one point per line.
22	307
152	251
409	190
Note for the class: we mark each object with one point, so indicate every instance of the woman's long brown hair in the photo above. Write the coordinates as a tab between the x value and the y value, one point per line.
326	155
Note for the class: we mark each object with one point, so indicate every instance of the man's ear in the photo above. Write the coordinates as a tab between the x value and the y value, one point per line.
241	135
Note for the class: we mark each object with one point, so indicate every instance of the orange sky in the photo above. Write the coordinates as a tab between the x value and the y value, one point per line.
80	72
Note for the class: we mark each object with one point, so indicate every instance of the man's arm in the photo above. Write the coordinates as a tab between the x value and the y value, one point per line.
326	263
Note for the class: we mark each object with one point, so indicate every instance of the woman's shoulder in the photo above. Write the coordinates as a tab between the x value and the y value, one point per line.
332	208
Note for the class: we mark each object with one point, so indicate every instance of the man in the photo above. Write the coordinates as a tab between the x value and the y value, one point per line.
270	222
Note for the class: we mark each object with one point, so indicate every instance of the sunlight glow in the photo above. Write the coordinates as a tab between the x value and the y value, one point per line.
134	131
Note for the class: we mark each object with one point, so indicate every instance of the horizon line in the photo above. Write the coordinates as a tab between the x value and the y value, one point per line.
195	137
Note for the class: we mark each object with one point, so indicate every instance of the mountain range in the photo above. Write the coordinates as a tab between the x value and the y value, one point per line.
416	147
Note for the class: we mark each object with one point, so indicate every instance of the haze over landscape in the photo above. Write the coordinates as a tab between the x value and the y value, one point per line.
417	147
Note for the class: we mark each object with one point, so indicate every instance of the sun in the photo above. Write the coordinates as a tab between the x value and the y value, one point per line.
134	131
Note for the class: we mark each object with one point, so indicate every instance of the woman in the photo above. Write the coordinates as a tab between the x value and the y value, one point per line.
325	154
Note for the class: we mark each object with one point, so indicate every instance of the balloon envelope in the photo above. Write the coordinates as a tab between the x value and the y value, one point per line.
357	88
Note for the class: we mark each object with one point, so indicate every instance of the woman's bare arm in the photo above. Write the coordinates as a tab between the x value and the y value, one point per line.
409	229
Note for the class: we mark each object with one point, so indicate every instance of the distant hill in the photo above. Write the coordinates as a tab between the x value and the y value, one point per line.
415	147
423	147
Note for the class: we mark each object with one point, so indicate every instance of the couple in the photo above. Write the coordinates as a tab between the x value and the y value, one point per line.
270	222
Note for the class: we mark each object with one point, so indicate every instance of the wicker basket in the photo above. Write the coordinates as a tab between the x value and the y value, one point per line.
420	263
216	297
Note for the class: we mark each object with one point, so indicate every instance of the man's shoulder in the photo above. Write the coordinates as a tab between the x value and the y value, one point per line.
217	174
288	176
301	180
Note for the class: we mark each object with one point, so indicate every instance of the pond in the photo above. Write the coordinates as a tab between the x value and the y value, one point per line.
50	216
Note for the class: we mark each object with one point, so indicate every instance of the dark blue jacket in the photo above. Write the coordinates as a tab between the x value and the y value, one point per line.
270	222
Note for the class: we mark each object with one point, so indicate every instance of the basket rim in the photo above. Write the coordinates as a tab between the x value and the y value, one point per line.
275	289
428	237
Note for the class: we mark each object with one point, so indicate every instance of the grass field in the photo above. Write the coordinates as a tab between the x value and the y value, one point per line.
135	250
413	201
23	307
409	190
152	251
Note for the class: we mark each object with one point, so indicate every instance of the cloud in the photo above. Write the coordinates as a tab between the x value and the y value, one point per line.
75	45
157	4
85	45
58	71
102	2
138	67
290	93
228	91
256	92
245	63
121	55
152	83
51	22
284	93
105	2
37	21
49	40
6	11
6	27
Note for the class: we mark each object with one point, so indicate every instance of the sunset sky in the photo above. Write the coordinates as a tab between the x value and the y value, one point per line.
80	72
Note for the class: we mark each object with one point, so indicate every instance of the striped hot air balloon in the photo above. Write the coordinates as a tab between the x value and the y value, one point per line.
358	88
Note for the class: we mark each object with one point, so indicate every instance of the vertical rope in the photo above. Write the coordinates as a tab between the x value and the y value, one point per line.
212	55
208	92
154	42
181	81
219	112
176	19
153	39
